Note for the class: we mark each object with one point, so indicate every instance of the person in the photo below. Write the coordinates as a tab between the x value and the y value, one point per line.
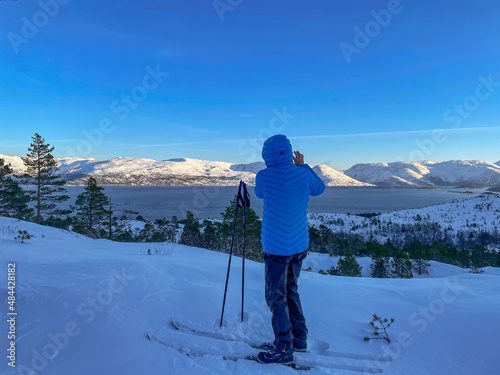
285	185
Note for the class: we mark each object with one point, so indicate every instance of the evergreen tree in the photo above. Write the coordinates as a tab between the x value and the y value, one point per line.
391	249
334	271
419	254
253	246
146	233
478	256
464	258
191	235
91	208
118	221
327	238
401	265
209	236
380	267
349	266
41	171
314	238
13	199
443	252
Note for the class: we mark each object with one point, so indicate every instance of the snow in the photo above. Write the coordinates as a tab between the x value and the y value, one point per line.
437	270
176	171
428	173
472	214
142	171
334	177
15	161
187	171
108	294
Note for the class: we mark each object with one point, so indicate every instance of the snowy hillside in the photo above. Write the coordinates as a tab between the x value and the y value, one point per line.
252	167
182	171
15	161
85	306
453	221
319	262
334	177
473	173
186	171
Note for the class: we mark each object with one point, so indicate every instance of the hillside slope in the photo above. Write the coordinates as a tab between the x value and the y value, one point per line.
177	172
466	173
187	171
452	222
106	295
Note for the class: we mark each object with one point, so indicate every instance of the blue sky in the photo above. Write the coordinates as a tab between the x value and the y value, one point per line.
347	81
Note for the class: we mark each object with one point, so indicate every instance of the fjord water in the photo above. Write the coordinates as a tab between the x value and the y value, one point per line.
209	201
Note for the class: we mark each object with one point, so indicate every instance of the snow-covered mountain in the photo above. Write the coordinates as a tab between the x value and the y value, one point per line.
15	161
182	171
465	173
334	177
186	171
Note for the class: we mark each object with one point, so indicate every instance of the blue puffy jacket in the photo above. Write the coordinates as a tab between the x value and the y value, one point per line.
285	189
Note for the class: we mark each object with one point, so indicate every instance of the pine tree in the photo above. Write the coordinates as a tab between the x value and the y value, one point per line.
380	267
118	221
391	249
334	271
41	171
253	245
13	199
91	208
326	237
401	265
209	236
419	256
478	256
314	239
191	235
349	266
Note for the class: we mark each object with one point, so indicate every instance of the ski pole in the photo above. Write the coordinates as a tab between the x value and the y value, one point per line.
231	252
246	203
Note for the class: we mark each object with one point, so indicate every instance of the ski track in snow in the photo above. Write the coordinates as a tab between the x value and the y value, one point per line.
189	347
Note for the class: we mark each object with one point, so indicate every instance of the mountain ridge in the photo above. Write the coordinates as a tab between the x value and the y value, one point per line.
428	173
197	172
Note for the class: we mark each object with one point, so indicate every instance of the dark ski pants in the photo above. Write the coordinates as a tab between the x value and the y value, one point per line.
282	297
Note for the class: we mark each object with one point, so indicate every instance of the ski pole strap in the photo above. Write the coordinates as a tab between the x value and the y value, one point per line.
243	199
247	195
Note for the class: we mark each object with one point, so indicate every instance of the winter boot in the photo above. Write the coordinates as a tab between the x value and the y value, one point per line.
300	345
282	354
